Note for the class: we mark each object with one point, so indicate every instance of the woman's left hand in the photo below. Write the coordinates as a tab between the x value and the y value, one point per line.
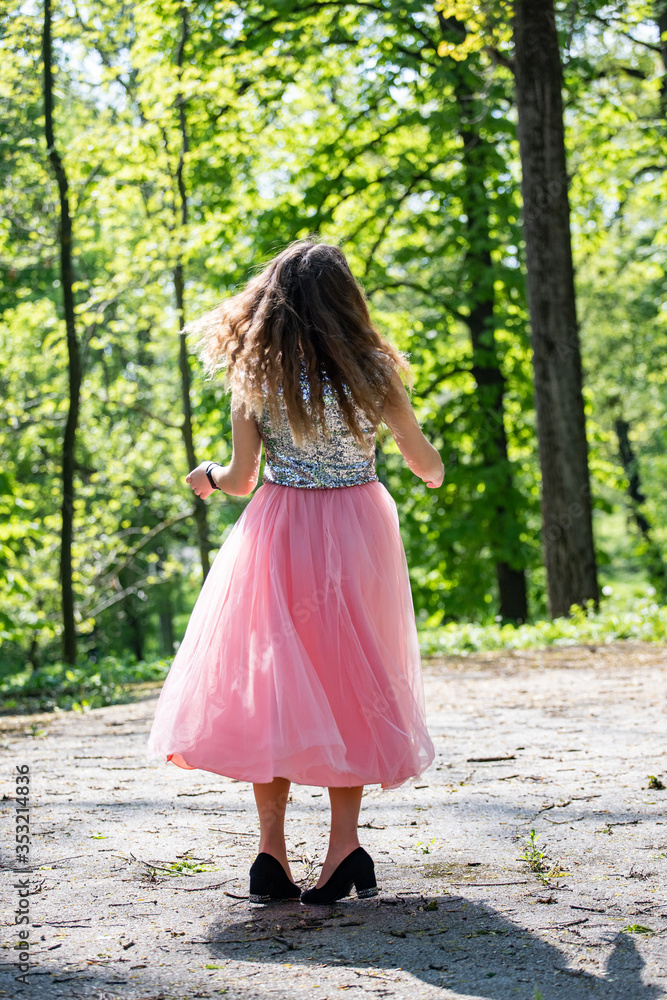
198	481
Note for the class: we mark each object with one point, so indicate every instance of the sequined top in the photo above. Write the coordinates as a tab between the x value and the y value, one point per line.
324	462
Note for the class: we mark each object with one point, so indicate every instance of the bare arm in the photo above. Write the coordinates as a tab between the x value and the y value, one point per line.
419	454
240	476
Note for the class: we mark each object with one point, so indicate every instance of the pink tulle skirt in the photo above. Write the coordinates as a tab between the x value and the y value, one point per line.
300	659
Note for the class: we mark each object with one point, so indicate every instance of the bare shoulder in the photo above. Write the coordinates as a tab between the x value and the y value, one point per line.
244	421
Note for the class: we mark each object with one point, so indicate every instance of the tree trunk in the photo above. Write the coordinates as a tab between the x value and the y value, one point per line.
179	289
660	13
131	612
33	655
656	565
489	379
74	370
566	495
165	613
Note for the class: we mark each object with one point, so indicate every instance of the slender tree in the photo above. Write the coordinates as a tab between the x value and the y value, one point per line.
74	369
630	463
476	156
569	551
179	291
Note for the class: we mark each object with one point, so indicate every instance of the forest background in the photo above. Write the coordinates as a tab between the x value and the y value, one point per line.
196	140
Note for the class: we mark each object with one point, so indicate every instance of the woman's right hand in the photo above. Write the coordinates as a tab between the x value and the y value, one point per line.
198	481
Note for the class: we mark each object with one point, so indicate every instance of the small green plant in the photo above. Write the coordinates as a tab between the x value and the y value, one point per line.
538	994
185	864
655	783
532	854
535	858
425	848
186	867
638	929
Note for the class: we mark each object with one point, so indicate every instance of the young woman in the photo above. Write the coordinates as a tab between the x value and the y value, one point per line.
300	661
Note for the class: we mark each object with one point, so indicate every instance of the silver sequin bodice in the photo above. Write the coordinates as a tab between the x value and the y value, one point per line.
322	463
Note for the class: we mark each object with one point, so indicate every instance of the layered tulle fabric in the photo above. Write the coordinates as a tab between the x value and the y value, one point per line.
301	659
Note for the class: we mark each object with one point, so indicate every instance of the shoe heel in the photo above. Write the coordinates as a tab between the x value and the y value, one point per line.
269	881
365	884
367	893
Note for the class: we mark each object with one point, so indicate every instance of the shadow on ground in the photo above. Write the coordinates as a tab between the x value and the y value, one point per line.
463	947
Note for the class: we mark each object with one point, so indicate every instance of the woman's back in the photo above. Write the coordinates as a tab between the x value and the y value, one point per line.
327	461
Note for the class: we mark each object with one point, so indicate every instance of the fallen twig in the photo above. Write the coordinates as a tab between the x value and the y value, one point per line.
203	888
488	760
524	882
235	833
560	927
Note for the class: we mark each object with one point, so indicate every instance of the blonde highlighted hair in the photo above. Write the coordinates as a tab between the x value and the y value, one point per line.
303	312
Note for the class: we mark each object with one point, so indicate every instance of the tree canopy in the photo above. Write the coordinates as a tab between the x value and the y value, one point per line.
197	138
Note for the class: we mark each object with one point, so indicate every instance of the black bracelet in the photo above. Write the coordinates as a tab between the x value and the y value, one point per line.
212	465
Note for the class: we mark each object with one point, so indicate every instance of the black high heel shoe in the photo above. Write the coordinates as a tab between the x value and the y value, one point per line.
356	869
269	881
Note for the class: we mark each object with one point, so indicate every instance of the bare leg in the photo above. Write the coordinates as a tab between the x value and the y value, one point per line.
343	836
271	799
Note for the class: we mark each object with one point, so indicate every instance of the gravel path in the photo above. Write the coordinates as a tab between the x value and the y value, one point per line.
138	870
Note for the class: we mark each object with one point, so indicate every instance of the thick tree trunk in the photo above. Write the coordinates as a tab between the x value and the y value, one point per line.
656	564
179	291
74	371
566	496
489	379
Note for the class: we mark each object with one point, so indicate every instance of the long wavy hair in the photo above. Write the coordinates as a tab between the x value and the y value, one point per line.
304	312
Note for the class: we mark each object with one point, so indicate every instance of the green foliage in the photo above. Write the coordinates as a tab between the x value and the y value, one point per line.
645	621
86	686
380	129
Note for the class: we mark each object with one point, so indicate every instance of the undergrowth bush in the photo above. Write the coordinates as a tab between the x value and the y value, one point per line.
113	680
645	621
87	685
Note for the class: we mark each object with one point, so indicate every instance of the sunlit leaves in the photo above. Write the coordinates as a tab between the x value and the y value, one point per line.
341	119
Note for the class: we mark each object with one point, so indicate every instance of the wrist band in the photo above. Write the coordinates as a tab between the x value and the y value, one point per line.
212	465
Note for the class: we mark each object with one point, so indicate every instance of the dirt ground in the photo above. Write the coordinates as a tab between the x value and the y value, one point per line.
138	872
